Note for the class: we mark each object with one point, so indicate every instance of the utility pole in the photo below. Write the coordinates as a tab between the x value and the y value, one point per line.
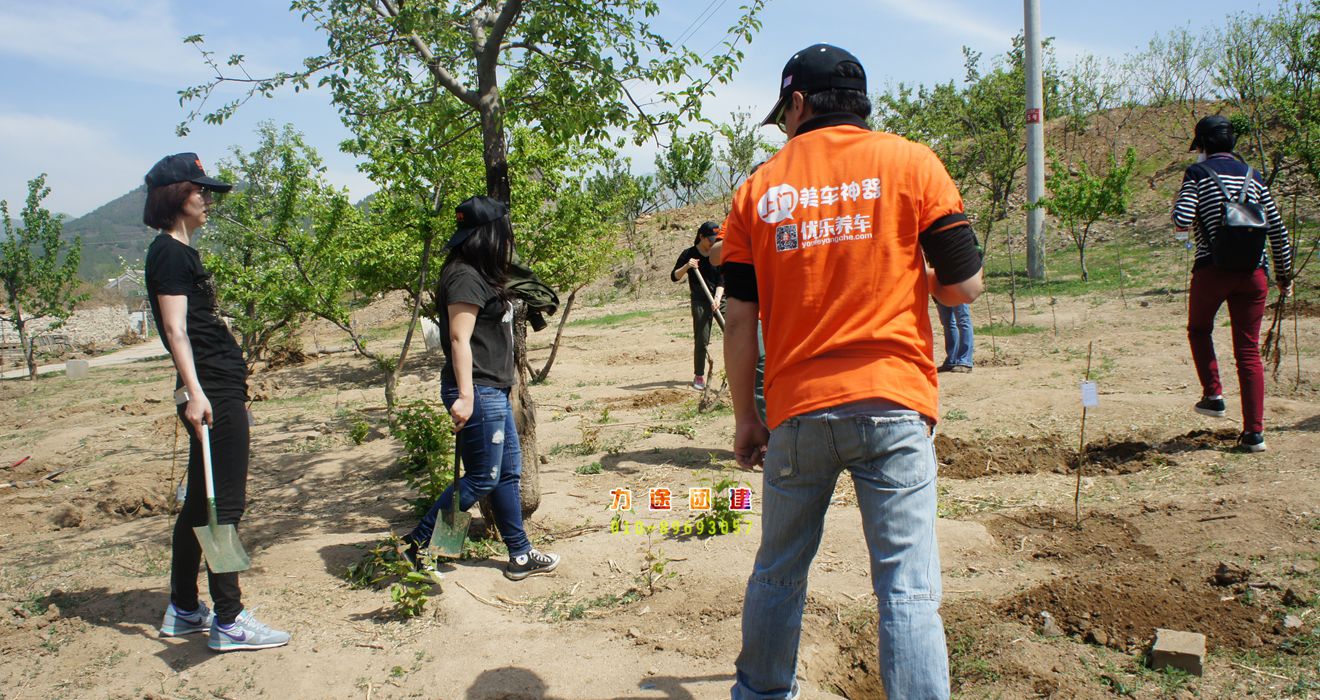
1035	142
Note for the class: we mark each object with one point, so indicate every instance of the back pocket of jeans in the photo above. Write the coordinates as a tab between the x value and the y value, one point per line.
898	449
781	452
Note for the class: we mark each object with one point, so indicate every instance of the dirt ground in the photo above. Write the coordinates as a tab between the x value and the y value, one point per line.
1177	530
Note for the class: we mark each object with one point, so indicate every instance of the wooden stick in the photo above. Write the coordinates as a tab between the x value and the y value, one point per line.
1216	517
713	306
1081	448
491	603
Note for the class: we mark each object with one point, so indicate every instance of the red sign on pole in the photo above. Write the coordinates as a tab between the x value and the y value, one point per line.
1033	115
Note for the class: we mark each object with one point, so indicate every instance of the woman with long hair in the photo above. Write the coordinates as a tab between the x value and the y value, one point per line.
211	392
476	320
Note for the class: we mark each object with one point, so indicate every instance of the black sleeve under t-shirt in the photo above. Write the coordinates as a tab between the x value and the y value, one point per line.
492	337
175	269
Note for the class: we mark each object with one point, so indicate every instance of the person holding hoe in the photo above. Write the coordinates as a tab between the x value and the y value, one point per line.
707	293
211	393
1232	216
476	324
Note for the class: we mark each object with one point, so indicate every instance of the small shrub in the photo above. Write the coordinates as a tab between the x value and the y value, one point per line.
358	432
385	565
720	519
428	440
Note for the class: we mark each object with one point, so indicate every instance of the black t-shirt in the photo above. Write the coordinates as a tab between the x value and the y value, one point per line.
709	272
492	337
176	269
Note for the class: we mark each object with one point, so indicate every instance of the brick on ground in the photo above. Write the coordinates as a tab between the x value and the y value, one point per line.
1184	650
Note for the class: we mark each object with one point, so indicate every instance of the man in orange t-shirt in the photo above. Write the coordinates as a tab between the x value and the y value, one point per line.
836	243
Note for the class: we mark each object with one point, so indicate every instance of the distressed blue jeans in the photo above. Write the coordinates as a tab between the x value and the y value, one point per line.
492	464
889	452
959	341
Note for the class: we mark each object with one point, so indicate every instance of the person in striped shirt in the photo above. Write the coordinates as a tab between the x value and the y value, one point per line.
1199	207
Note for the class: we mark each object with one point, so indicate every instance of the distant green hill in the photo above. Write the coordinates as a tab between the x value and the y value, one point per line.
110	231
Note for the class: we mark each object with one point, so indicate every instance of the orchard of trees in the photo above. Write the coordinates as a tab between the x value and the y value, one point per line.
531	104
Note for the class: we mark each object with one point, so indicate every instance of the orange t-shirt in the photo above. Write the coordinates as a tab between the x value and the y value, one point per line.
830	224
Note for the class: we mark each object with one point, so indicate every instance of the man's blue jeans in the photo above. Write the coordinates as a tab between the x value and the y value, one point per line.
958	338
892	460
492	459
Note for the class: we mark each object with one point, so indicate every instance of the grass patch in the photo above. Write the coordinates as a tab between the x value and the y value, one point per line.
1001	329
612	319
593	468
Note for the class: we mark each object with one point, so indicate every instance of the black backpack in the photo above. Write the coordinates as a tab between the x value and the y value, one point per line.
1240	242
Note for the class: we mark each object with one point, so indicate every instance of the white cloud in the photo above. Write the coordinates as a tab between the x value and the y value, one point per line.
967	22
85	165
131	40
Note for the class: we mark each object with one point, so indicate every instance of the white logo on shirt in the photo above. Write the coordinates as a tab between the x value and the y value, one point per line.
777	204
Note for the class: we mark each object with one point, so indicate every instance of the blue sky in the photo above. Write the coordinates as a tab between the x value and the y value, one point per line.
90	86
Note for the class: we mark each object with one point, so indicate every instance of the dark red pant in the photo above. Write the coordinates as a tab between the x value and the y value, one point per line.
1245	293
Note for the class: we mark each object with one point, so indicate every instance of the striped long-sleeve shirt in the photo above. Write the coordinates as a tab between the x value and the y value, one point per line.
1199	206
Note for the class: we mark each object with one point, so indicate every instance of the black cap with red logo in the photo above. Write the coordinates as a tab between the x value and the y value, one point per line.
812	70
183	167
474	213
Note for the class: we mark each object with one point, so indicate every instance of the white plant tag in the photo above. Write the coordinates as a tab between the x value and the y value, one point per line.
181	493
1090	395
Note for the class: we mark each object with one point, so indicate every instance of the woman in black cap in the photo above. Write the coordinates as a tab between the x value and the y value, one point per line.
476	321
210	390
697	258
1230	267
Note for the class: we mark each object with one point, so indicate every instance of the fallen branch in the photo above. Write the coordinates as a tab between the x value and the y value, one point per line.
487	601
1208	518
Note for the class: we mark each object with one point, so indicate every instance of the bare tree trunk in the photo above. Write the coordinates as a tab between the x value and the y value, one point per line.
554	347
524	416
25	341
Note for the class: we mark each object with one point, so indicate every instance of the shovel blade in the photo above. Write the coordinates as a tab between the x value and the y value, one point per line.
224	553
450	531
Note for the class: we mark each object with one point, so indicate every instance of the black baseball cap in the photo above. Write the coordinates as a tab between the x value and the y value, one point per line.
183	167
472	214
812	70
1214	134
710	229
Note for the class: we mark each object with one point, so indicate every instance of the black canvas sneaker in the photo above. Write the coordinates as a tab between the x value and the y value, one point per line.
533	563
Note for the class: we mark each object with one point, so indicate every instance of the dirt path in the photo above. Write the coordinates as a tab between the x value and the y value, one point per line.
149	350
84	559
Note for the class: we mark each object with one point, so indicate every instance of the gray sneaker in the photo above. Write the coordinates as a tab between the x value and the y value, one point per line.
177	623
247	633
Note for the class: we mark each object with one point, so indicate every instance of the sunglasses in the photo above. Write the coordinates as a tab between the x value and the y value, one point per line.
780	118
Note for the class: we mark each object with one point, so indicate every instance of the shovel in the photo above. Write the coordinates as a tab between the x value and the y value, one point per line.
452	527
224	553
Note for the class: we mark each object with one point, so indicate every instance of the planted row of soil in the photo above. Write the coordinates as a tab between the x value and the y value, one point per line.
972	459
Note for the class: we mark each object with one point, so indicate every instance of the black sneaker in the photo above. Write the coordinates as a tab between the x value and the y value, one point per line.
532	563
1252	442
1211	407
